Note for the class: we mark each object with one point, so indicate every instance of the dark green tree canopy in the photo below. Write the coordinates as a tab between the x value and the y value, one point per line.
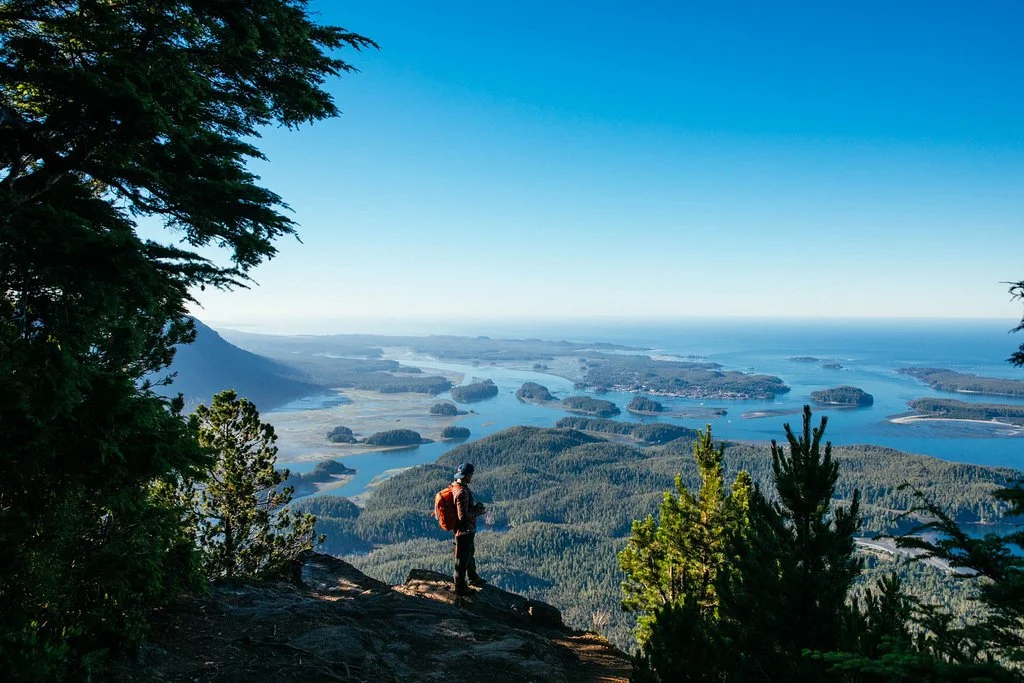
112	113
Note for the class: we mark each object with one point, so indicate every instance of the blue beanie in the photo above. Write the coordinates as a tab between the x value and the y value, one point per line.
464	470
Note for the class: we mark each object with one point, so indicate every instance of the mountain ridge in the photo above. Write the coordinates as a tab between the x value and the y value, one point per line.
211	364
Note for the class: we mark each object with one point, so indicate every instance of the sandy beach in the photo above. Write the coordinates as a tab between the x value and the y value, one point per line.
911	419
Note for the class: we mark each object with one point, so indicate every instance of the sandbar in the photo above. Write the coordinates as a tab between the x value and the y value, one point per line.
302	434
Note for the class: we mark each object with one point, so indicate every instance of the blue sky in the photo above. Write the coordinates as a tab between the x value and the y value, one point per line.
654	160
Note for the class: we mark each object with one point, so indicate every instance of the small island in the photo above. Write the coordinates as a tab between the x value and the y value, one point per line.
831	366
643	405
395	437
843	396
590	406
648	434
452	432
805	359
477	391
531	391
950	380
446	409
326	474
341	434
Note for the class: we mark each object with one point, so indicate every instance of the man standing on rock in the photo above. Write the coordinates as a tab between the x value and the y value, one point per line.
465	532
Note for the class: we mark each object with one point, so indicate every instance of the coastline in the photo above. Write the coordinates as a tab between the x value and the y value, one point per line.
911	419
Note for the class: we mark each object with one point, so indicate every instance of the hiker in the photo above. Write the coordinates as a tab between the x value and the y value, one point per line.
465	530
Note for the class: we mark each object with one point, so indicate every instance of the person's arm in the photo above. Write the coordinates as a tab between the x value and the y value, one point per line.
462	508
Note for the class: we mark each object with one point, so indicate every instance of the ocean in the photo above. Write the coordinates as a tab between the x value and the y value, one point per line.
869	351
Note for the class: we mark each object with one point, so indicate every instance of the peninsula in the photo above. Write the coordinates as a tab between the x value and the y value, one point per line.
950	380
949	409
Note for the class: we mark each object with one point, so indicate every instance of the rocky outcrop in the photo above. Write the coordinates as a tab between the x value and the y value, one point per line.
339	624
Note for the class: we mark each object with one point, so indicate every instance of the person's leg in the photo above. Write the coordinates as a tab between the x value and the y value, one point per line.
463	555
474	578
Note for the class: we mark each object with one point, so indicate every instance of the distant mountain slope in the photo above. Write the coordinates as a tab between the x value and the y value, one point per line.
211	364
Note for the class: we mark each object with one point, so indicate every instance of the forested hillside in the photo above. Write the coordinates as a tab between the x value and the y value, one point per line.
561	504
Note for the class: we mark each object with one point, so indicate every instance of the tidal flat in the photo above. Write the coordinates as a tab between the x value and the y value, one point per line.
302	432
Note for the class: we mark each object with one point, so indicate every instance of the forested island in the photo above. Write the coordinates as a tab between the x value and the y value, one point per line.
843	396
395	437
644	405
477	391
564	501
586	405
950	380
455	432
635	373
341	434
649	434
805	359
325	472
832	366
531	391
949	409
446	409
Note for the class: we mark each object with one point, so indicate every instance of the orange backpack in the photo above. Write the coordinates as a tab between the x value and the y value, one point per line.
444	508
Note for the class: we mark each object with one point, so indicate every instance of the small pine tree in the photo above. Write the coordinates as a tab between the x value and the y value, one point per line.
673	565
244	530
795	568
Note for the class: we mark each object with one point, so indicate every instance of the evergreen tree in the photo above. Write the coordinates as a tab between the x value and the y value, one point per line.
673	566
244	530
112	112
796	565
998	575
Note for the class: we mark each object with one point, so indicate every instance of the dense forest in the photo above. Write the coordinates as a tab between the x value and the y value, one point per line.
843	395
949	380
561	503
477	391
634	373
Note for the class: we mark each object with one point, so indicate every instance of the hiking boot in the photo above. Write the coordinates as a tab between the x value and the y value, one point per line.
462	590
477	581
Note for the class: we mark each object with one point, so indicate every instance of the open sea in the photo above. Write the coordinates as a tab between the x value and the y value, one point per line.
869	351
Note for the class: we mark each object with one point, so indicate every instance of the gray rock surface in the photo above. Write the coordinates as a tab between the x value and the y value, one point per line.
343	625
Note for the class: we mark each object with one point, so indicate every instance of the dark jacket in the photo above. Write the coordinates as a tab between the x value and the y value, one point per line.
465	508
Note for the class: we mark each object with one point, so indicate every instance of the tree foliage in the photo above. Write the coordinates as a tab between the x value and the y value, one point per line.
796	566
112	113
243	527
673	564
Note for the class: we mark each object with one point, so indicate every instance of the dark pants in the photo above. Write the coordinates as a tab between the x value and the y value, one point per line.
465	563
